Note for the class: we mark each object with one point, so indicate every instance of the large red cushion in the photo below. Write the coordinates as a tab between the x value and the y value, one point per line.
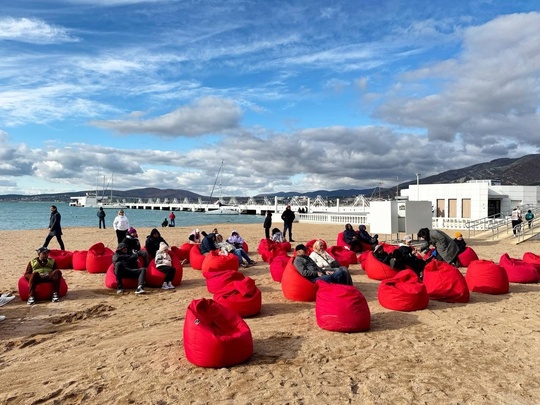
467	256
530	257
269	249
341	308
214	261
79	259
216	280
340	241
377	270
241	296
344	256
519	271
215	336
155	278
277	266
404	292
444	282
63	258
484	276
196	258
296	287
110	280
99	258
184	250
43	291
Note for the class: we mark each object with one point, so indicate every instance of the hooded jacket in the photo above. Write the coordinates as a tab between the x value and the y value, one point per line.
129	258
208	243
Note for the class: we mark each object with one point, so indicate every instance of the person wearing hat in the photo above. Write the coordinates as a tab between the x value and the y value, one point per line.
126	265
288	218
381	255
55	229
134	245
309	269
42	269
121	226
405	257
460	242
164	264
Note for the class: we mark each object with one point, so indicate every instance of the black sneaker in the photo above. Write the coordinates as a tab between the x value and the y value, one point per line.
139	290
55	297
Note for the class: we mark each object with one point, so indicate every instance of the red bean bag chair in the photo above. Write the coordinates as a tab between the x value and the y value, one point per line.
63	258
99	258
467	256
215	336
309	245
344	256
78	259
185	249
127	283
404	292
519	271
242	296
277	266
43	291
377	270
484	276
216	280
445	282
341	308
196	258
388	248
296	287
213	261
269	249
155	278
362	257
532	258
245	247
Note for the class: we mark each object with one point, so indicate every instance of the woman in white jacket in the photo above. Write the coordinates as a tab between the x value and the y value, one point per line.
325	261
121	226
164	265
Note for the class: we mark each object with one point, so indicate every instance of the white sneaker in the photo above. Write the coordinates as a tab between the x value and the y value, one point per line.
55	297
31	301
171	286
2	318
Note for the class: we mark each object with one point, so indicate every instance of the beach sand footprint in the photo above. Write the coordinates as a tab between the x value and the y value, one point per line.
98	310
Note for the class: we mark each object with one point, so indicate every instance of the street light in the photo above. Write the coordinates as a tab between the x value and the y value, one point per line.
418	186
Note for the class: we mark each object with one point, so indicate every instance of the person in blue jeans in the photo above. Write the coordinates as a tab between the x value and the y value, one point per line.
307	267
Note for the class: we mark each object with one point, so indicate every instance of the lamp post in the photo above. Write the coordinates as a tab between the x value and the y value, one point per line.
418	186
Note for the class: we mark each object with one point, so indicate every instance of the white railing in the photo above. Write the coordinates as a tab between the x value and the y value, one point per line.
333	218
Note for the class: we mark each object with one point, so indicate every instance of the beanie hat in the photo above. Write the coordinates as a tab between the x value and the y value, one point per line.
300	247
132	230
163	246
458	235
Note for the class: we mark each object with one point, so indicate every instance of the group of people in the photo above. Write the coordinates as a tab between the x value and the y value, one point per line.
287	216
214	241
517	219
355	238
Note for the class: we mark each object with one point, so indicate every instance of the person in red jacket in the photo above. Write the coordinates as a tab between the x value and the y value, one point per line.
172	217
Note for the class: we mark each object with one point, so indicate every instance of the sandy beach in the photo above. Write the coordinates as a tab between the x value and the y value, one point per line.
99	348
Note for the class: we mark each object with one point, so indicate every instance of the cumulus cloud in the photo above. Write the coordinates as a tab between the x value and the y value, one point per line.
33	31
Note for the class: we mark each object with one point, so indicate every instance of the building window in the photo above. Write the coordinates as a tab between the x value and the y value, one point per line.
466	208
440	208
452	208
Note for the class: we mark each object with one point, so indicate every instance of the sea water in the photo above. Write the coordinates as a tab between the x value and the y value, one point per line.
35	215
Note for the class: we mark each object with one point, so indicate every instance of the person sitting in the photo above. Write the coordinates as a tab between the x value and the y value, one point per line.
165	223
405	256
445	247
460	242
309	269
42	269
164	264
152	242
351	238
325	261
277	236
195	236
208	243
381	255
126	265
236	240
132	241
225	247
365	237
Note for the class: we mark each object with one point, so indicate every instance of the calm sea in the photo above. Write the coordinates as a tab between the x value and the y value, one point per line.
35	215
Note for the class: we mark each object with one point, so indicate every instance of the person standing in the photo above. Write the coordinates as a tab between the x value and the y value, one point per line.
172	217
101	215
288	218
121	226
267	224
55	229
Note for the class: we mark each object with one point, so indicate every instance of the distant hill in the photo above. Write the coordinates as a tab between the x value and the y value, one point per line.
524	171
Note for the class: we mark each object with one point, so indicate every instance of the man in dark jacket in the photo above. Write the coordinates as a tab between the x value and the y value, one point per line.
101	215
309	269
152	242
126	265
288	218
55	229
444	245
267	224
133	244
208	243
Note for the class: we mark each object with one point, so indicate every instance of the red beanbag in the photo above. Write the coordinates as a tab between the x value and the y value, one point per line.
43	291
519	271
268	249
296	287
196	258
215	336
184	250
213	261
444	282
63	258
344	256
277	266
216	280
484	276
404	292
99	258
532	258
362	257
110	280
79	259
377	270
467	256
341	308
309	245
340	240
155	278
242	296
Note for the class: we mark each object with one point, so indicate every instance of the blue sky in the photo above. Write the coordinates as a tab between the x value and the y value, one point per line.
292	96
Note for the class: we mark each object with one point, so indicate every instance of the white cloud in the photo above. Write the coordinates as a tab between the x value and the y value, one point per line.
33	31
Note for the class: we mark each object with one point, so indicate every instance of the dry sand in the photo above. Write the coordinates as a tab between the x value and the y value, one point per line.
97	347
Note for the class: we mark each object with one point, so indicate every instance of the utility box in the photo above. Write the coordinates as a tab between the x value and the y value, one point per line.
392	217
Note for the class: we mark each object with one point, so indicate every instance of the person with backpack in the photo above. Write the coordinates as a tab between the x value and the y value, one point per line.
529	216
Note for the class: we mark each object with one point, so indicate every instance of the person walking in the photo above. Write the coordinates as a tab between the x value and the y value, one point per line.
288	218
121	226
529	216
55	228
101	215
267	224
